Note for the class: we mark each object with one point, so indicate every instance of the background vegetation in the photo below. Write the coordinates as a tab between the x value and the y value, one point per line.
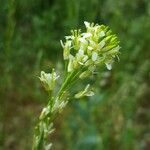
117	117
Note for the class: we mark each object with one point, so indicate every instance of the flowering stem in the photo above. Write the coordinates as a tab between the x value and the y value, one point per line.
83	52
50	117
65	84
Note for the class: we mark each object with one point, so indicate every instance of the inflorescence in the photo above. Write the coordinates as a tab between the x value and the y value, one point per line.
82	53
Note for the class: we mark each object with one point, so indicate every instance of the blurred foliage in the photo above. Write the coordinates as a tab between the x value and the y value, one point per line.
117	117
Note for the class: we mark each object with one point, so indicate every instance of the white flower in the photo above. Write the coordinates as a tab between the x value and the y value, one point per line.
59	105
71	37
83	40
94	56
62	44
67	48
70	64
90	48
45	112
48	147
48	79
87	24
109	66
85	92
86	35
102	33
101	44
81	58
116	48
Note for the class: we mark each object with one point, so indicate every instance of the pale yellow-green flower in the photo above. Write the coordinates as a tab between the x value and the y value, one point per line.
83	52
48	80
86	92
96	46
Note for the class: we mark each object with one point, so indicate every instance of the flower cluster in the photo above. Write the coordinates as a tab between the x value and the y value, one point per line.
48	80
95	46
83	52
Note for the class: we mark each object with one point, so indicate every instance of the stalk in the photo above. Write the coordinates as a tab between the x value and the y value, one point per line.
83	52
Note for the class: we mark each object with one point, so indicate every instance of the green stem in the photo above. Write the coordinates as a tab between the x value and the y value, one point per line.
68	81
65	84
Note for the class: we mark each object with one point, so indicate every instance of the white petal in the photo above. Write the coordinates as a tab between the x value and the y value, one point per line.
71	57
62	44
82	40
68	44
102	44
48	147
102	33
87	24
94	56
69	37
70	65
117	48
86	35
49	77
87	88
85	58
90	93
90	48
109	66
81	52
56	77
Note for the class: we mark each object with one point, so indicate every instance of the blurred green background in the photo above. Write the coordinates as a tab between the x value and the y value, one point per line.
117	117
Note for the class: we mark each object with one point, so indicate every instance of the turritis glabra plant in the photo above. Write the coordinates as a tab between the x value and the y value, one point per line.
82	53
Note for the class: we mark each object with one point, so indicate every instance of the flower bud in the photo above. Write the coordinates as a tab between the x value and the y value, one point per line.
85	74
85	92
48	80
